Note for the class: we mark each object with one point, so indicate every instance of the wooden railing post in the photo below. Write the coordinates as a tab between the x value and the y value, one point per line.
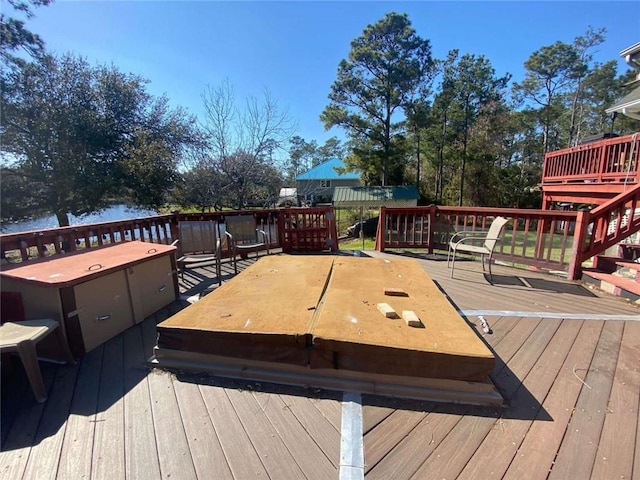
604	167
433	210
380	234
173	228
579	236
539	248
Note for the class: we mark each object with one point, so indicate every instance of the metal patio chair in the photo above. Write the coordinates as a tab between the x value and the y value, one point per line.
244	236
198	244
479	243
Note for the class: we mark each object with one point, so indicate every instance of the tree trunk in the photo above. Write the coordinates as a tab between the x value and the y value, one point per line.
418	166
440	173
63	219
573	137
465	141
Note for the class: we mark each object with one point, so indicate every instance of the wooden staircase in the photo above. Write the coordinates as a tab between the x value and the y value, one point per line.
603	227
618	275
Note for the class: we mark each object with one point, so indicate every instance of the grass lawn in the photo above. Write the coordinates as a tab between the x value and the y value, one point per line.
356	244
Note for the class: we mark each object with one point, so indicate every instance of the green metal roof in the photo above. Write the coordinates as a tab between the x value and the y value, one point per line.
378	196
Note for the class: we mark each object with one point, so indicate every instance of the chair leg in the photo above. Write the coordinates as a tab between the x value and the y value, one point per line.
27	352
453	262
180	266
235	263
490	274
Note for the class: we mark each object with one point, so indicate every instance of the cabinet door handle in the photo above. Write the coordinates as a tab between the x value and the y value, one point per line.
161	289
102	318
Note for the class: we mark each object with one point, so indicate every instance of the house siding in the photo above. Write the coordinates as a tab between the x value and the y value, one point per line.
313	191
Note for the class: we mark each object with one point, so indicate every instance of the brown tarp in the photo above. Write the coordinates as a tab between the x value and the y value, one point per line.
262	314
321	312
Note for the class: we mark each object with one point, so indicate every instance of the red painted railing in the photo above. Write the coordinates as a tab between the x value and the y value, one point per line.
548	239
23	246
540	238
307	229
604	161
314	230
605	226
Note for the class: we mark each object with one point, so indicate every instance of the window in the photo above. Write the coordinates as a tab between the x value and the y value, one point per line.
325	183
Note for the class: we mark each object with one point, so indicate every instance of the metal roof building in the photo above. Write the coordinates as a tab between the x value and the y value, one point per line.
375	197
327	171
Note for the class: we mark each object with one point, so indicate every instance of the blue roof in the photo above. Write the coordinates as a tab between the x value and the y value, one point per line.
326	171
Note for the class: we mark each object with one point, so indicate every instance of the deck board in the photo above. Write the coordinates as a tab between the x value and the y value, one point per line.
171	439
312	426
17	447
241	456
414	450
388	434
108	442
15	380
140	437
204	445
269	445
501	444
614	458
52	426
110	416
332	411
577	452
454	452
75	458
372	415
537	452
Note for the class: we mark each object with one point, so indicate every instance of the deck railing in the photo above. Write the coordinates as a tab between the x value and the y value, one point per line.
546	239
605	226
22	246
303	229
540	238
605	161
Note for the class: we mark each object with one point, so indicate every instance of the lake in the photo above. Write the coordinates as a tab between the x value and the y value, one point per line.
116	212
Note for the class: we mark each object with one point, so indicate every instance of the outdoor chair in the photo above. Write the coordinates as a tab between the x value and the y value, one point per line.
198	244
244	236
479	243
20	336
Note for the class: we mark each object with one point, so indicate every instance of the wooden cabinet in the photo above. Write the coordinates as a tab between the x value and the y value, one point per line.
96	294
103	308
152	286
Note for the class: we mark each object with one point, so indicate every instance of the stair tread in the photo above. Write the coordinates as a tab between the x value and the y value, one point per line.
628	264
621	282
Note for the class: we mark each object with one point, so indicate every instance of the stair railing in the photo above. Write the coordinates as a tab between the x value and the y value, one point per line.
604	226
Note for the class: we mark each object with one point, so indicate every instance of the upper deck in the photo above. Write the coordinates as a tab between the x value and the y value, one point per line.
591	173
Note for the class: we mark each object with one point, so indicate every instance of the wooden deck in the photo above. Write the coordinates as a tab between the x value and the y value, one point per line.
568	365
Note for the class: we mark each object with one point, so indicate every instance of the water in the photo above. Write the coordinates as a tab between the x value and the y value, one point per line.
116	212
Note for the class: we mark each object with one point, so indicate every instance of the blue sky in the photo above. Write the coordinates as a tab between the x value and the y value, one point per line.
293	48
